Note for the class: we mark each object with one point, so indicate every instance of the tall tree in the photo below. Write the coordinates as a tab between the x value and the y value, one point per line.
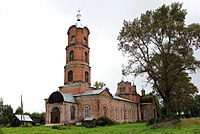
183	93
161	45
19	110
196	106
8	111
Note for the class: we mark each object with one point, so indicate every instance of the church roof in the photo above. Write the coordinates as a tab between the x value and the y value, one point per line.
57	97
91	92
69	98
98	91
120	98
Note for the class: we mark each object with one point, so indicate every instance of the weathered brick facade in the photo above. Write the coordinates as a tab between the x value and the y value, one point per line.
77	100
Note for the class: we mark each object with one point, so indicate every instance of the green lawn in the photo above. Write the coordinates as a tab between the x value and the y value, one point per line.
135	128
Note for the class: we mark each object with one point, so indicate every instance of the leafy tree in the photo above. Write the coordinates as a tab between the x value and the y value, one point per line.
99	85
195	110
8	111
161	45
19	110
4	120
7	114
35	115
40	116
27	113
182	94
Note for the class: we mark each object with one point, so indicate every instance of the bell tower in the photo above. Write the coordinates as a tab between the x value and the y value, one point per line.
77	76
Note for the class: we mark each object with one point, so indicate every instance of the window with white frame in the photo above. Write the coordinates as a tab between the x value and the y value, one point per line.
73	40
122	113
127	113
105	111
117	113
112	113
85	41
86	111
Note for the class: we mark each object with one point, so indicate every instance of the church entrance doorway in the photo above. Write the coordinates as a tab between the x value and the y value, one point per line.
55	115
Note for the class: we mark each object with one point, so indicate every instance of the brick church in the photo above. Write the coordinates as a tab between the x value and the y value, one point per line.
77	100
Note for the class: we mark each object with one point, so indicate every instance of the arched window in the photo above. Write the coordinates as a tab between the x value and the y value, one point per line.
86	111
127	113
70	76
117	113
105	111
72	110
71	55
86	57
122	112
86	76
55	109
73	40
85	41
112	113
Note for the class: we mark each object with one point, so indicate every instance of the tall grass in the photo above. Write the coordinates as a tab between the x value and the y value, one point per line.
190	121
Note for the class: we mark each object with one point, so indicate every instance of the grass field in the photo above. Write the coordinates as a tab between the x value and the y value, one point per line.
135	128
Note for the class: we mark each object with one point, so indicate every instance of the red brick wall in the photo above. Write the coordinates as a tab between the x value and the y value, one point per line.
79	66
97	103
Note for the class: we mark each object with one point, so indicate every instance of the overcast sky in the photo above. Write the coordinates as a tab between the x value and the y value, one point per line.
33	37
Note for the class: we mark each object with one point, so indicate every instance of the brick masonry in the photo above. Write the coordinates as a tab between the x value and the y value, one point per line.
127	106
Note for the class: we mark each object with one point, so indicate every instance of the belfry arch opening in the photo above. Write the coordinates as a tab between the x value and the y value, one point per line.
70	76
71	55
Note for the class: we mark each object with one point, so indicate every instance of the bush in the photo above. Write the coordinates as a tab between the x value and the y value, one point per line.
104	121
4	120
26	125
190	121
59	127
154	121
160	123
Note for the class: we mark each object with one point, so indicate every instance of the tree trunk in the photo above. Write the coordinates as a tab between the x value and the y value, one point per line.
167	107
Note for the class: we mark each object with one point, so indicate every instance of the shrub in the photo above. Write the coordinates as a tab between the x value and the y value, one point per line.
190	121
160	123
26	125
59	127
154	121
104	121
